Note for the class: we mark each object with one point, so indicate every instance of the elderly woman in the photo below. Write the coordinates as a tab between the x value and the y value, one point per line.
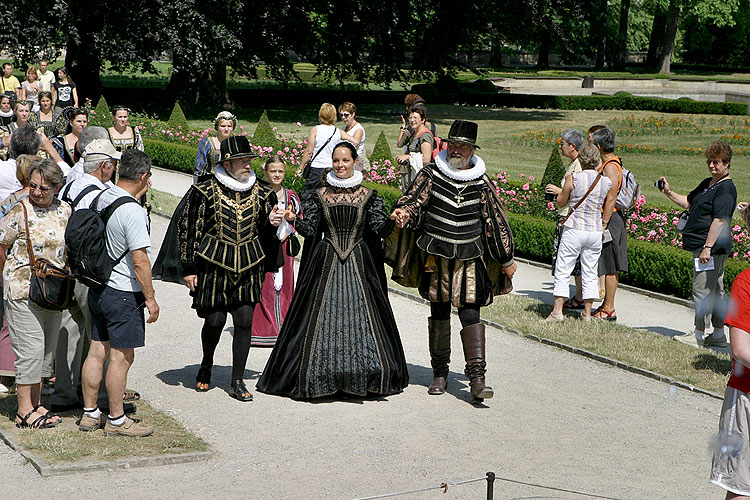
65	145
708	238
208	147
33	330
122	134
348	114
320	143
420	148
570	144
581	235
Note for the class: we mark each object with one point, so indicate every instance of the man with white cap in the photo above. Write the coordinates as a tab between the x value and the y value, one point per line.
99	162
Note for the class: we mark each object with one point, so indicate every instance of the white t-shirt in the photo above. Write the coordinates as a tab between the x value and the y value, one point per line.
46	80
322	133
127	229
8	180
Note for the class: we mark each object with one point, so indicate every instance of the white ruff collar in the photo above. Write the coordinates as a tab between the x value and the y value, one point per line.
6	115
353	181
469	174
232	183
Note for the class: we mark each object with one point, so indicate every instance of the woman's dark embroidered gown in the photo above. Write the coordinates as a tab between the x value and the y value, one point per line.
339	334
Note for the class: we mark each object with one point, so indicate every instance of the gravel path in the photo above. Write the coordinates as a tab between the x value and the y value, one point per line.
557	419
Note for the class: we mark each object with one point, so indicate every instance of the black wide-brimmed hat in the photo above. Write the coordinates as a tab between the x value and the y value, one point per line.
235	147
463	132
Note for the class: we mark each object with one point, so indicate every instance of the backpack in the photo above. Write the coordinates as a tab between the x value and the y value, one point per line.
73	203
629	191
86	243
439	143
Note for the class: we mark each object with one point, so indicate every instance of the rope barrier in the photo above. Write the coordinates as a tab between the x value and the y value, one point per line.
442	486
490	477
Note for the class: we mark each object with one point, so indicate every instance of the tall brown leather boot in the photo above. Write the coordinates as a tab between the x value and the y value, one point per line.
440	354
472	338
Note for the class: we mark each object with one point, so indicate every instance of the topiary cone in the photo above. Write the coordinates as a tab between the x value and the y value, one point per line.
555	170
381	151
177	118
264	134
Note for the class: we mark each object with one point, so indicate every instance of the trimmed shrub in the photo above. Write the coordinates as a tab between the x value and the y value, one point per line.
102	116
381	151
555	170
264	134
170	155
177	118
389	194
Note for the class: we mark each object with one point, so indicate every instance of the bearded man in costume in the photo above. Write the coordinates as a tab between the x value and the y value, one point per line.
455	245
227	241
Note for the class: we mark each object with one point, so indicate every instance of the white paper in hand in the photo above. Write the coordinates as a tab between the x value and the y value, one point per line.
708	266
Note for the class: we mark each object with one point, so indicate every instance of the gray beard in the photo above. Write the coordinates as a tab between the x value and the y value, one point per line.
240	176
457	163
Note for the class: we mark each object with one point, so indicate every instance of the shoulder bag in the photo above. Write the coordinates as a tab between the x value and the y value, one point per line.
308	166
49	286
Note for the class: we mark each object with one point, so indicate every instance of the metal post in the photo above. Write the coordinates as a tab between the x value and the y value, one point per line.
490	485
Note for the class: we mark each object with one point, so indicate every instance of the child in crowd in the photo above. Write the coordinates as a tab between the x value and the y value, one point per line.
278	287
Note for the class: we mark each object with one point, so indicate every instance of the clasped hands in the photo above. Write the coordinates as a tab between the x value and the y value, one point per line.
277	215
400	216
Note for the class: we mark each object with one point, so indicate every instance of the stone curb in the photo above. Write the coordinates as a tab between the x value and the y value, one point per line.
580	352
47	470
629	288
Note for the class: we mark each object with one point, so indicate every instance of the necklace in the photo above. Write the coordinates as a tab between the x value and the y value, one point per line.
459	196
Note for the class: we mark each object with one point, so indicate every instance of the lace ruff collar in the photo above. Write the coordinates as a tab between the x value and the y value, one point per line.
241	186
333	180
6	115
469	174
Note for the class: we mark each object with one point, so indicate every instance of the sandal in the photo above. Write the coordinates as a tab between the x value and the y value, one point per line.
131	395
42	422
49	414
602	314
573	303
203	379
239	391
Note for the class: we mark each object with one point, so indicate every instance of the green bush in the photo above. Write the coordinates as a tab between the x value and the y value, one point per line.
177	118
555	170
381	151
264	134
170	155
389	194
102	116
652	266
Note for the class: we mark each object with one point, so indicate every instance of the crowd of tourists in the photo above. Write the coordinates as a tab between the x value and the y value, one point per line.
233	239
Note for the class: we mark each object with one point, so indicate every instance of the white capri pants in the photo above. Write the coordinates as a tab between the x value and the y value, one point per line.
587	244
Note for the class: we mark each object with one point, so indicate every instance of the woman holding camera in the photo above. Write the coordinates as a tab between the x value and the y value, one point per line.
581	234
707	236
421	144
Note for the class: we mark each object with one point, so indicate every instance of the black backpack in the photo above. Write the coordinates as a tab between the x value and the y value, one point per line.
86	243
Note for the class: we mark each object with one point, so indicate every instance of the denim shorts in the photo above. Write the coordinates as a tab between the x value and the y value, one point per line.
117	317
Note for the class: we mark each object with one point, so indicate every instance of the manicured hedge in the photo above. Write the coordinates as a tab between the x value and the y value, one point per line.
652	266
171	156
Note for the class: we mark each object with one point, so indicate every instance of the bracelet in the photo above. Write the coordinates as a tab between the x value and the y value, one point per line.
707	246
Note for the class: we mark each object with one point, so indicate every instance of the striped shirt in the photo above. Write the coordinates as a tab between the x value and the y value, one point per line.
588	216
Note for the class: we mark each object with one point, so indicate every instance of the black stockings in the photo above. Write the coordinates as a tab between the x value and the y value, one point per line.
242	318
468	314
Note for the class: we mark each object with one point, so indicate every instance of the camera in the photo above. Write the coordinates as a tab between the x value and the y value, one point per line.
659	184
550	196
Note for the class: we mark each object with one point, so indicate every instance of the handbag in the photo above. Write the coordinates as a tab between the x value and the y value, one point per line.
308	166
49	286
682	221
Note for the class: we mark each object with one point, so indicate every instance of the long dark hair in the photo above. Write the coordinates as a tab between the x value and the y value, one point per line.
67	75
348	145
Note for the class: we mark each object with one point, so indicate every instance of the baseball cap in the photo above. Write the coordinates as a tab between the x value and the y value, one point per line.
101	149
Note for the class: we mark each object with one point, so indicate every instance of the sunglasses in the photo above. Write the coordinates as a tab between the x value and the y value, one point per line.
345	115
43	189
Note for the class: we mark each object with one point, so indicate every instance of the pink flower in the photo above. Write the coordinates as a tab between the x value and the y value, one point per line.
525	187
531	177
299	124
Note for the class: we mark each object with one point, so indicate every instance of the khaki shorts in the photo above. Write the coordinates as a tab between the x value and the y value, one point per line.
730	467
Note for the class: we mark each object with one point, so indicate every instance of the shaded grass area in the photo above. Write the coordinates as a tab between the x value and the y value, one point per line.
702	368
164	203
65	443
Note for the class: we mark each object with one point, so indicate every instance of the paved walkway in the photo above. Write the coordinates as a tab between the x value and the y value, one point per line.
557	419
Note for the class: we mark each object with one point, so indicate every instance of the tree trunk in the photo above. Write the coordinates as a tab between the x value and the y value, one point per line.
665	59
543	58
622	42
656	41
83	57
204	86
601	29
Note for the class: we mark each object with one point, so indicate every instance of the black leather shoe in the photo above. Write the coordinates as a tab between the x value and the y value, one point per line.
239	391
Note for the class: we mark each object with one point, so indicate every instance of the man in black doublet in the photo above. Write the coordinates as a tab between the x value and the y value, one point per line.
227	240
457	249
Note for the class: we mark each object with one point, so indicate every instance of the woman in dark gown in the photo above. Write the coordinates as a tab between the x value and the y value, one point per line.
339	334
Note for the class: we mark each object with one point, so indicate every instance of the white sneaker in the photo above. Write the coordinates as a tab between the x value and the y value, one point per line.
694	339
